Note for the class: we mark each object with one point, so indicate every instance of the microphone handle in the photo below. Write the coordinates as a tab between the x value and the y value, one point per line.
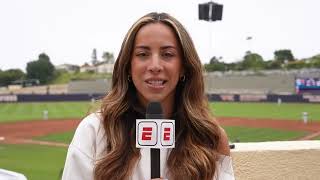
155	163
154	153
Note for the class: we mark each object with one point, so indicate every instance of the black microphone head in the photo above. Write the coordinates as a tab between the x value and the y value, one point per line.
154	111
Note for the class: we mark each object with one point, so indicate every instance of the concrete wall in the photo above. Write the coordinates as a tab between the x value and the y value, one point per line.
51	89
58	89
30	90
4	90
292	160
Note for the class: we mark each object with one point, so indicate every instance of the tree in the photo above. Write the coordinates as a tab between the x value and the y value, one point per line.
94	57
296	64
213	60
108	57
8	76
315	61
233	66
215	65
41	69
283	55
272	64
253	61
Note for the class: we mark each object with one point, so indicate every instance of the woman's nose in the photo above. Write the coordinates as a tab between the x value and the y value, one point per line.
155	64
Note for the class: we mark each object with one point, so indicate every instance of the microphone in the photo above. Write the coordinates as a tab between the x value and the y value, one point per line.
155	133
154	111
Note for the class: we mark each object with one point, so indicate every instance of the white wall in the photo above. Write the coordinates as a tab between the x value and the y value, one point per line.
292	160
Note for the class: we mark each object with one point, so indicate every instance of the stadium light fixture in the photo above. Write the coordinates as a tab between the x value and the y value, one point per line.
210	11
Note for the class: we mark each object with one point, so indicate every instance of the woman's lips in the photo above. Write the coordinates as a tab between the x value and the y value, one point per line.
156	84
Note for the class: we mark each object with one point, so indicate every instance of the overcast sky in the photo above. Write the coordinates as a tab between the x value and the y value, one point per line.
68	30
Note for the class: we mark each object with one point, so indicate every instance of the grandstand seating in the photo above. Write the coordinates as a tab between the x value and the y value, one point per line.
50	89
256	82
58	89
99	86
267	84
231	82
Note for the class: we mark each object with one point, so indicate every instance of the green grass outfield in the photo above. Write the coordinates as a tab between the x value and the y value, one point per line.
10	112
61	137
292	111
245	134
36	162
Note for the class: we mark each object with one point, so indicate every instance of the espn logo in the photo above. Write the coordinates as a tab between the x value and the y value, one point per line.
155	133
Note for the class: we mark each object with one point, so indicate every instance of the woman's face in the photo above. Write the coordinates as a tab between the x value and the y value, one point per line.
156	63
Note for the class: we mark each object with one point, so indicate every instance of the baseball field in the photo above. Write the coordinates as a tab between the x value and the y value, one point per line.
35	143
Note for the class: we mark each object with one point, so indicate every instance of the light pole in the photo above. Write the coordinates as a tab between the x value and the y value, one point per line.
249	39
210	12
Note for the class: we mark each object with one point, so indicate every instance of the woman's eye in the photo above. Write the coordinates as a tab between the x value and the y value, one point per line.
168	54
141	54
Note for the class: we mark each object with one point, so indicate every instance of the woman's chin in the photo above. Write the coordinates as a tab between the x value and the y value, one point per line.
155	99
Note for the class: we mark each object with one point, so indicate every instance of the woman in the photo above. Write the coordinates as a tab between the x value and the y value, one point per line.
157	62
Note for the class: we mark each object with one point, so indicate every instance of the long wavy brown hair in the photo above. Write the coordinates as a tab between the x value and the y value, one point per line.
197	133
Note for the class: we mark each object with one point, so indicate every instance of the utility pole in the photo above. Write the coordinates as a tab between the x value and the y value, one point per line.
210	12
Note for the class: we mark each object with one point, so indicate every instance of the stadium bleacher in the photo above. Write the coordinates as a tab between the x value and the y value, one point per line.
232	82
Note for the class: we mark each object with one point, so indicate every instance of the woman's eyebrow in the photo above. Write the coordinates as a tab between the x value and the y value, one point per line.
168	47
142	47
148	48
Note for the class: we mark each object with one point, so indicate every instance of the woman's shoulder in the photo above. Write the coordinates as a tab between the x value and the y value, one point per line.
223	146
91	124
224	168
92	120
89	136
224	162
